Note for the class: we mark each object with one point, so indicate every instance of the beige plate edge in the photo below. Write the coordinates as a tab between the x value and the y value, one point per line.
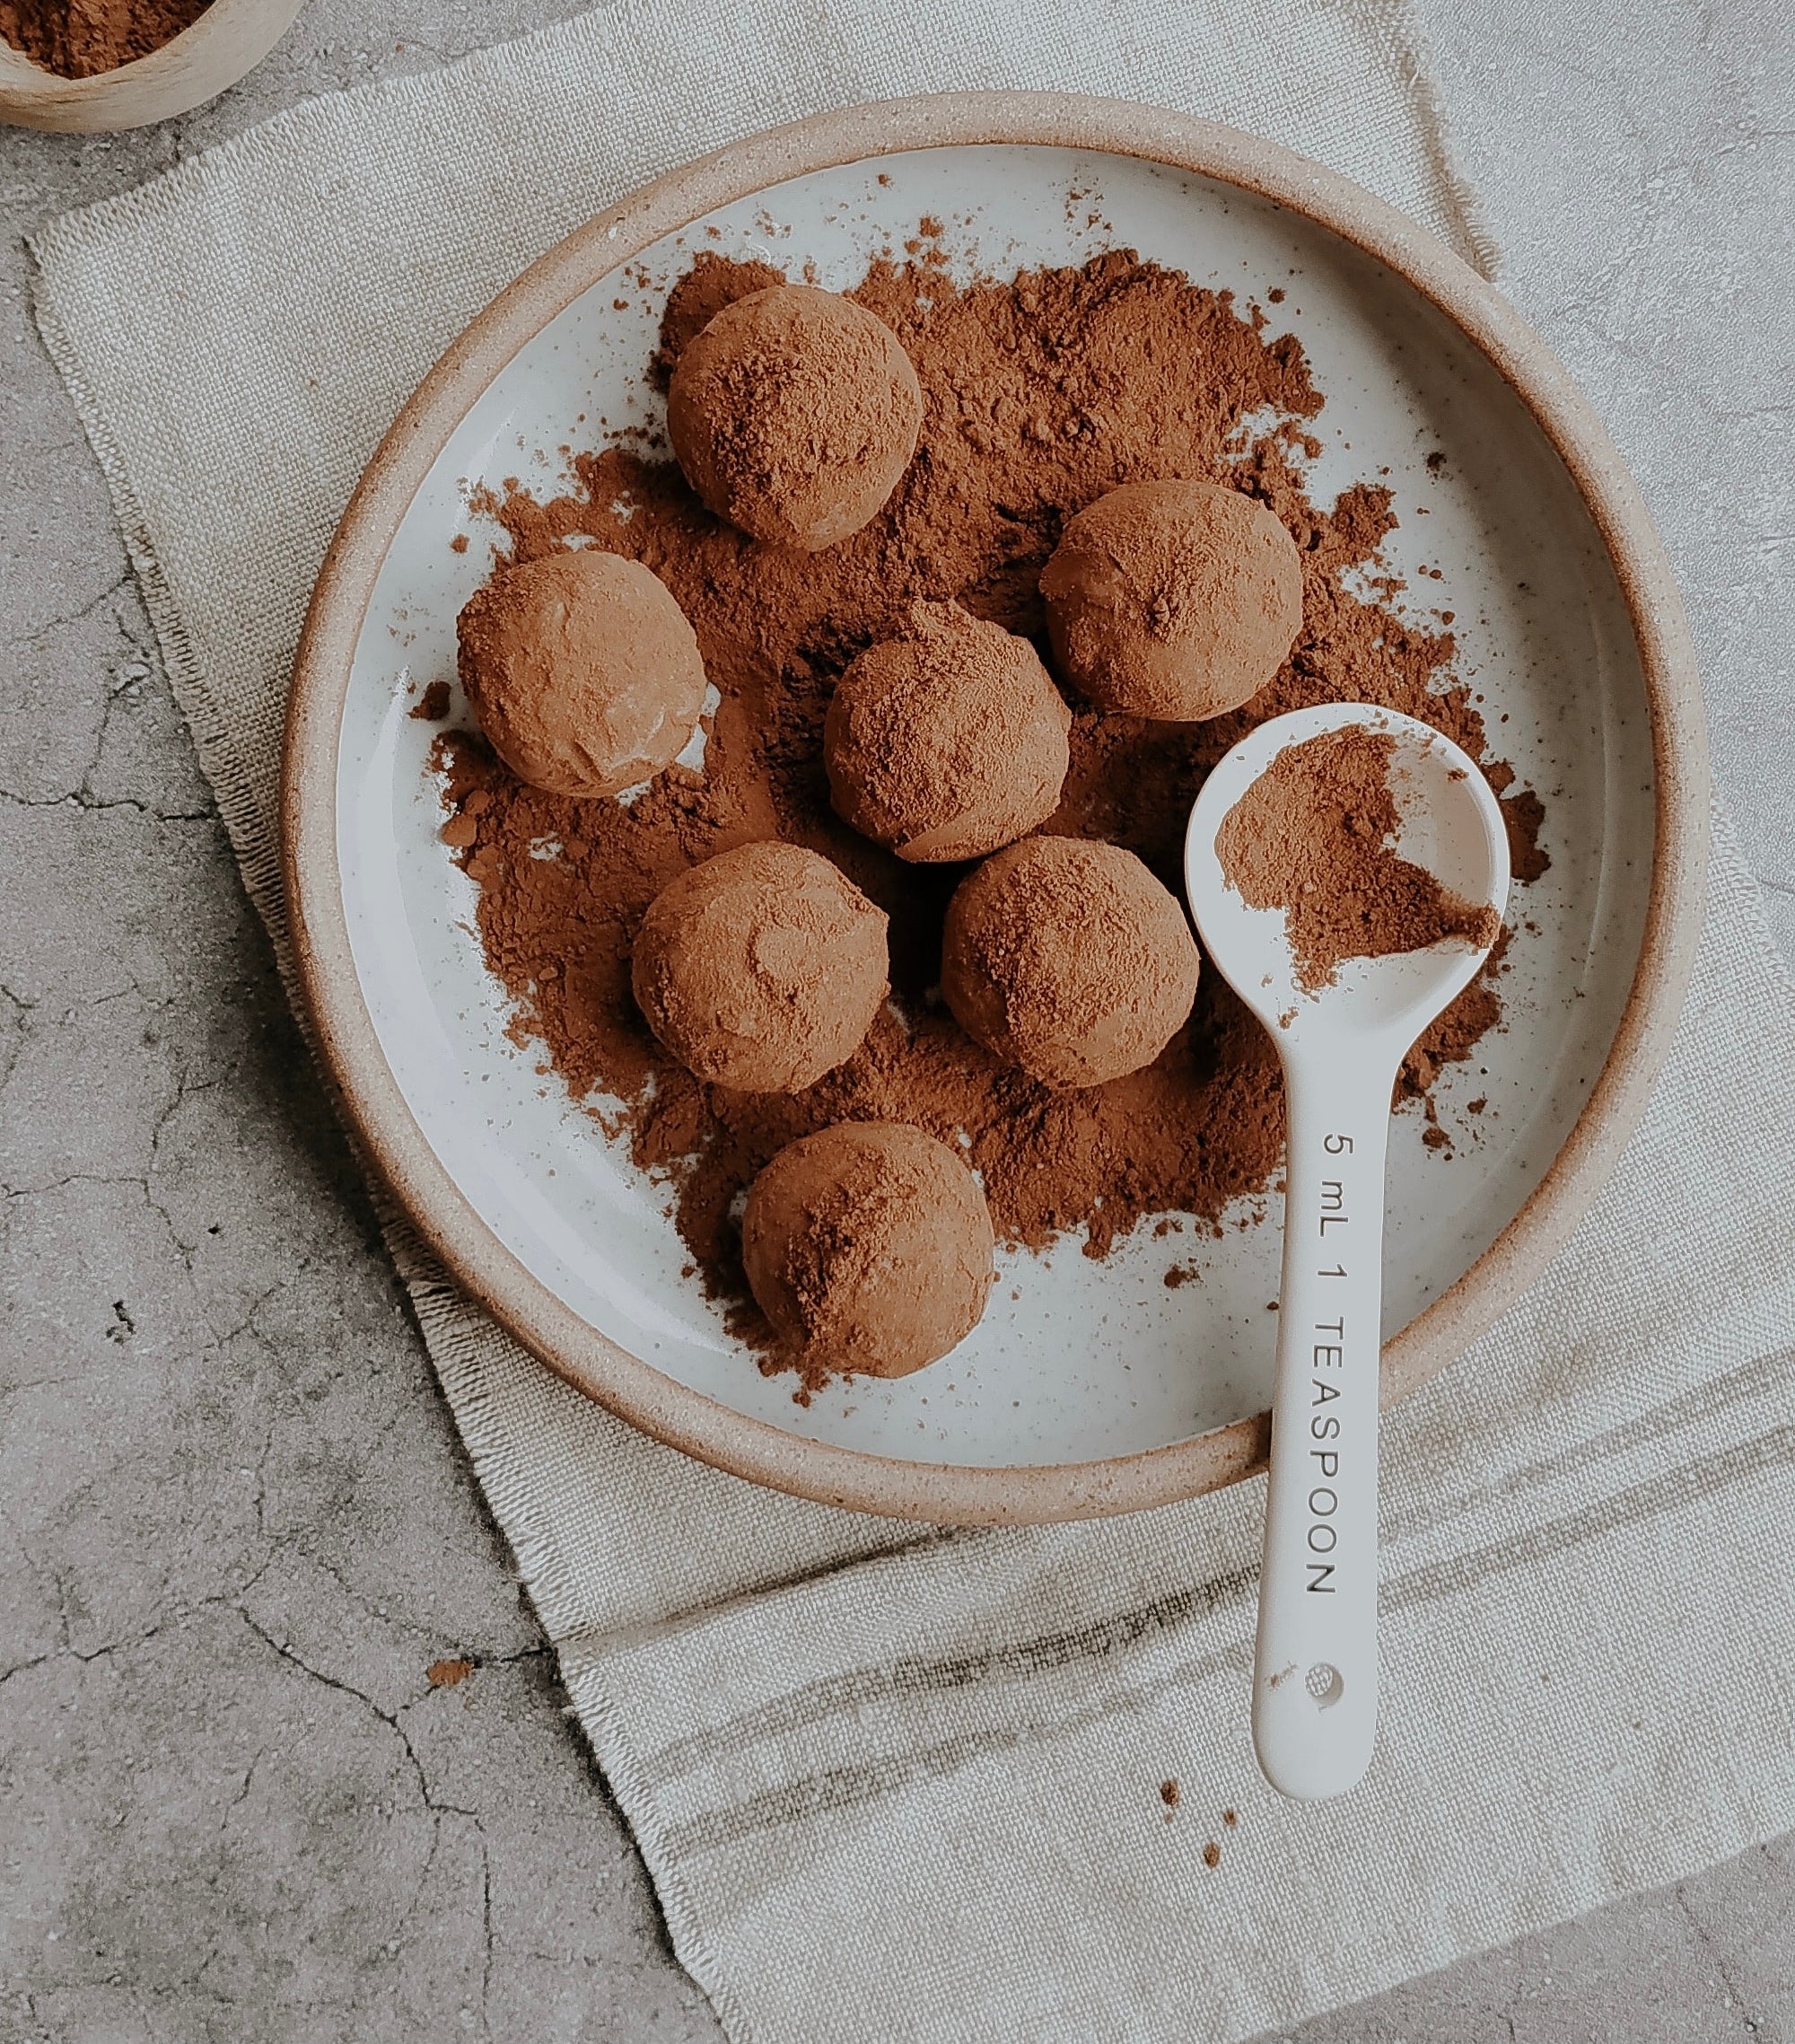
370	1096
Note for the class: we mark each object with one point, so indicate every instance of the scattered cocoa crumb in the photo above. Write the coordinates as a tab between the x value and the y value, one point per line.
1168	1794
433	705
446	1674
1212	1854
1182	1274
459	544
1230	1817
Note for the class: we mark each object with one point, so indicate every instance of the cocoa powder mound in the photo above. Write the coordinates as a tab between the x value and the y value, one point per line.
1311	836
80	38
1039	394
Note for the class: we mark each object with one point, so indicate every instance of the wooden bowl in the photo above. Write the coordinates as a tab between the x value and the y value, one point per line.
225	44
1087	1388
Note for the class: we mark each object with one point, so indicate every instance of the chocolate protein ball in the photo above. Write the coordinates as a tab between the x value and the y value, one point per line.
1173	600
949	742
583	670
1065	956
762	969
868	1246
793	413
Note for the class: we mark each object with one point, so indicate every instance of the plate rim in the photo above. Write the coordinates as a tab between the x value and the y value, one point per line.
367	1095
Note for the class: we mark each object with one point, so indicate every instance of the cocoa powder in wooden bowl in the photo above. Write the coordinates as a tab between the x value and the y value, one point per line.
95	66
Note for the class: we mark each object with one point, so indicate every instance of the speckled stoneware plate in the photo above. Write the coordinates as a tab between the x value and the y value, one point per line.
1089	1387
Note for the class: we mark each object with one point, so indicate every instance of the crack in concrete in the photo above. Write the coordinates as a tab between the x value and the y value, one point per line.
84	798
511	1660
25	1667
261	1497
393	1719
227	1598
14	1046
1704	1937
37	1384
486	1928
50	625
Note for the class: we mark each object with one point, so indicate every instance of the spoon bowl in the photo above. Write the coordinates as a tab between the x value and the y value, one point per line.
1450	824
1315	1677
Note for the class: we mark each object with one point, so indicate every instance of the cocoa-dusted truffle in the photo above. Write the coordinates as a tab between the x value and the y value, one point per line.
583	670
869	1247
1173	600
793	413
762	969
949	742
1068	958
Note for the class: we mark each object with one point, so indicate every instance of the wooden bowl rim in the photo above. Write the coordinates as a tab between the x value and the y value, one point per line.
213	53
670	1412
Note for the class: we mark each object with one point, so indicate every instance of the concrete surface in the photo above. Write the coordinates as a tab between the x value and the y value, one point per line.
235	1526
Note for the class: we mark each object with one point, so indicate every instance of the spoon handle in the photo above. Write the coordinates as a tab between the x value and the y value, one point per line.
1315	1678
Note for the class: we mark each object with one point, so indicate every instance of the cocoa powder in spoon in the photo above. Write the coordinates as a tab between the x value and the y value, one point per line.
1041	393
1312	836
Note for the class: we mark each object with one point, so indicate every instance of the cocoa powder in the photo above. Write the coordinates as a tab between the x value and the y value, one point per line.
1039	394
1312	836
80	38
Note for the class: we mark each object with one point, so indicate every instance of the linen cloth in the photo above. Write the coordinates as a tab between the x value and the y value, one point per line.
900	1784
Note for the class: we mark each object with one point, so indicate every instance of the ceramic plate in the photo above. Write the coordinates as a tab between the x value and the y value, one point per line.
1089	1386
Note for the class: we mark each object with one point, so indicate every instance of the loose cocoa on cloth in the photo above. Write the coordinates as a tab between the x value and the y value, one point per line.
1312	836
1040	394
80	38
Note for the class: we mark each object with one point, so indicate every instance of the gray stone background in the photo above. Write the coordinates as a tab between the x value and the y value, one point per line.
235	1523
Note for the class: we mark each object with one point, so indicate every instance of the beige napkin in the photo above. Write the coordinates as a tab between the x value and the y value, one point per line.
901	1785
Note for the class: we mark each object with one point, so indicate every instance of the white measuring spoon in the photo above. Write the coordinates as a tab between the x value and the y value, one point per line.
1315	1677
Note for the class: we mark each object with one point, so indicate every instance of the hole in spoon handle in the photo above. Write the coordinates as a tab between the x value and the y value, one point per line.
1315	1681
